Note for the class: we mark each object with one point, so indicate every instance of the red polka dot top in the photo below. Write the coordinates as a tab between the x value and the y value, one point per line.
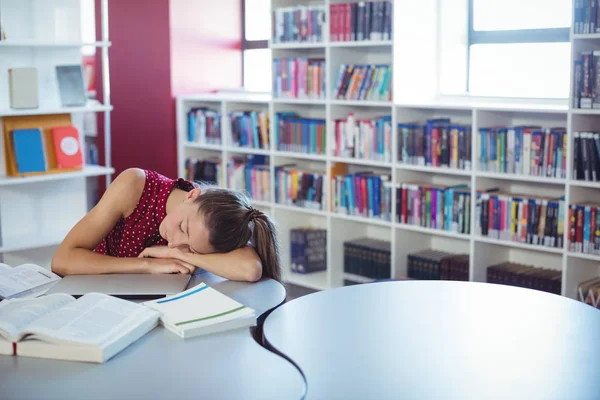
133	234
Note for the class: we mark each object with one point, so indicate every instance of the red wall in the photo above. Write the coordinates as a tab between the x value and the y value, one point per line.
162	48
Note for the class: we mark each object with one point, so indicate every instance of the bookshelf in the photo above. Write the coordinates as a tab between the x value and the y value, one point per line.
405	239
36	212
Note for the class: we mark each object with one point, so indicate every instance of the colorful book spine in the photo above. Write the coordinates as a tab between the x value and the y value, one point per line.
204	126
438	143
360	21
205	171
364	82
249	129
250	176
434	207
433	264
298	24
306	135
299	78
586	156
586	76
525	276
296	187
364	139
584	228
519	218
308	250
586	18
362	194
524	150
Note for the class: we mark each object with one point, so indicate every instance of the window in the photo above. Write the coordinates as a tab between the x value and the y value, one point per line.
519	48
256	31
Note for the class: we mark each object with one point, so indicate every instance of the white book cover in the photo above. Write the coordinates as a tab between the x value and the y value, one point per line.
25	280
202	310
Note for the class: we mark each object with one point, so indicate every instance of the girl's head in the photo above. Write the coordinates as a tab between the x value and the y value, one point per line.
217	220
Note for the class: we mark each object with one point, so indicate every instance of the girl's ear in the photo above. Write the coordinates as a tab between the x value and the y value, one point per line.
193	194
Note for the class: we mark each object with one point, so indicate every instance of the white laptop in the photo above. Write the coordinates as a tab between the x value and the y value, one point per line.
125	286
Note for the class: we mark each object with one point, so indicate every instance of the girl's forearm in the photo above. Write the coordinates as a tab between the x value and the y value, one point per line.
239	265
80	261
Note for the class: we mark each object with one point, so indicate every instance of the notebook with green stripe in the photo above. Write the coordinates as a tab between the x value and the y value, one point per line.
202	310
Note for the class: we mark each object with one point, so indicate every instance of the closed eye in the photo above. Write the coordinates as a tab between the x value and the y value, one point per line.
181	227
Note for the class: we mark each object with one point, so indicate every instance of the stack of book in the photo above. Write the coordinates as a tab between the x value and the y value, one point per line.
207	171
363	194
589	292
586	156
366	259
298	24
520	218
514	274
586	93
371	20
308	250
250	129
364	139
251	176
586	18
204	126
438	265
436	207
584	228
300	188
306	135
299	78
524	150
437	143
364	82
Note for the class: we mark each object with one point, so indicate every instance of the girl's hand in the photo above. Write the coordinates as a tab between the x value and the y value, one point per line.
157	252
169	266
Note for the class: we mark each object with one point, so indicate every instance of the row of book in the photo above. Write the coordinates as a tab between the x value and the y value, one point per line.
371	20
437	143
520	218
434	264
299	78
368	258
308	249
364	82
250	129
299	188
586	18
204	126
367	139
362	194
251	176
435	207
305	135
298	24
586	83
584	228
586	156
525	276
206	171
589	292
524	150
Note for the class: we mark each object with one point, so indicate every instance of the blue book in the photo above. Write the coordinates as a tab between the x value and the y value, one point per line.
29	150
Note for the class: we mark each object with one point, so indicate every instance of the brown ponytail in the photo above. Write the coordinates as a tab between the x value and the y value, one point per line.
232	223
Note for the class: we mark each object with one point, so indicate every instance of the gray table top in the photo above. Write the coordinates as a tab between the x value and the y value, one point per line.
161	365
440	340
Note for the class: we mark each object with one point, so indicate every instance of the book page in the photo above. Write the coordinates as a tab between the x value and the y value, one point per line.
14	281
17	314
91	319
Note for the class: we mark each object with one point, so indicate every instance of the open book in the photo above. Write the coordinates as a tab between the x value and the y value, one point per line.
92	328
26	280
202	310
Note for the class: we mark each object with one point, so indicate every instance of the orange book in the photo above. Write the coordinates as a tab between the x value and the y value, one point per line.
67	147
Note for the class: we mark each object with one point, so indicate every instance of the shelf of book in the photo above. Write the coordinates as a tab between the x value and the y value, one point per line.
361	103
291	46
521	178
300	156
363	220
430	231
584	36
303	210
584	256
58	110
361	161
203	146
309	102
362	43
261	203
433	170
585	184
87	171
248	150
519	245
585	111
357	278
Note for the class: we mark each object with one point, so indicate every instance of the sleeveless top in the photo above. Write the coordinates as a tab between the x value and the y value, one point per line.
131	235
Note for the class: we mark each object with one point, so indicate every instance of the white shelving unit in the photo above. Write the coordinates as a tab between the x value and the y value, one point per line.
37	212
406	238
